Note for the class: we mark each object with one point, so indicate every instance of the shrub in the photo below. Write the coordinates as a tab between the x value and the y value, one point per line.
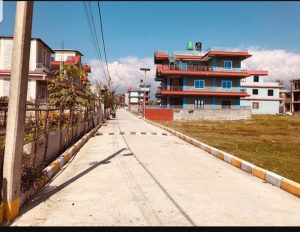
30	172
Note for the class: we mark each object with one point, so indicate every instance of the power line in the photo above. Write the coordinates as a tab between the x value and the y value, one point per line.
98	3
93	35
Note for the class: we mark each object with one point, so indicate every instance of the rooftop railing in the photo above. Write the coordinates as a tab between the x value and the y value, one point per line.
196	67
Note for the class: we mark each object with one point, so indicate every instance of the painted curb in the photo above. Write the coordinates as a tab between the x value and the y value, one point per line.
56	166
270	177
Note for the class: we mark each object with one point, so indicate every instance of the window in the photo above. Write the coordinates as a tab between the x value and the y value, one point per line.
255	91
199	104
255	78
183	66
227	64
226	104
255	105
199	84
270	92
226	84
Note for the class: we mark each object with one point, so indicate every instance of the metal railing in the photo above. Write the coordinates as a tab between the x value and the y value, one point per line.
209	88
41	67
196	67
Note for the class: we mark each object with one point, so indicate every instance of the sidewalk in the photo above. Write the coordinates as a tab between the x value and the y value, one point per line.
156	179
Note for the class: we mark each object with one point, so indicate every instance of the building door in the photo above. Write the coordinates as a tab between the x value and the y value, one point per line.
199	104
226	104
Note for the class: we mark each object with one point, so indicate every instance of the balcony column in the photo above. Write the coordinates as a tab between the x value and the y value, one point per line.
184	100
239	85
168	101
213	103
214	63
238	103
184	84
168	83
213	84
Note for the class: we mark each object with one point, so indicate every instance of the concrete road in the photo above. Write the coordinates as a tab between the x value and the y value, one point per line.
154	180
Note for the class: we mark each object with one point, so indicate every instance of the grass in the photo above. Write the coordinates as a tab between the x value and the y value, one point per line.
270	142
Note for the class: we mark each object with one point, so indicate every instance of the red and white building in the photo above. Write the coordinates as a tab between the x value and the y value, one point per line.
39	68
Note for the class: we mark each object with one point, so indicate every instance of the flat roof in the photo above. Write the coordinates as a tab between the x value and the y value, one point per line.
38	39
68	50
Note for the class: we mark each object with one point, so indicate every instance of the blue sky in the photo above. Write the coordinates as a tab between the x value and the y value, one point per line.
135	30
140	28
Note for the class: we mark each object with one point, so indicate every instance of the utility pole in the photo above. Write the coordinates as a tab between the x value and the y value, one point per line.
14	140
144	92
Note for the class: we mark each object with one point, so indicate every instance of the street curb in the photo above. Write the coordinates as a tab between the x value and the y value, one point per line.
56	165
270	177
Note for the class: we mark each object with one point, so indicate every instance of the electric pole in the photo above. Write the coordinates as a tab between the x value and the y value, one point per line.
14	139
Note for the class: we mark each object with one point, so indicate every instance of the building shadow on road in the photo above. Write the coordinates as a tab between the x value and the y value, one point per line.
48	190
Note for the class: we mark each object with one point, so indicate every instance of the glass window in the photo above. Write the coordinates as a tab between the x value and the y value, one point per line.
227	64
199	84
270	92
255	91
256	79
255	105
183	66
226	84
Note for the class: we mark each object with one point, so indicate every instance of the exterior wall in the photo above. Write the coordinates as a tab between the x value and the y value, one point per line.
219	114
235	61
159	114
265	107
63	55
267	104
211	102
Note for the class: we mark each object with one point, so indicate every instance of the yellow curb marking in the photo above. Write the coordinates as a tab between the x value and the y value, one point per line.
259	172
220	155
291	187
55	166
11	209
236	162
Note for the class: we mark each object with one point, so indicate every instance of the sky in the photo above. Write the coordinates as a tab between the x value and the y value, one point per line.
133	31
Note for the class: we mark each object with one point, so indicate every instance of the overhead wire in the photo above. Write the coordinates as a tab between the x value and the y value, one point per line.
93	34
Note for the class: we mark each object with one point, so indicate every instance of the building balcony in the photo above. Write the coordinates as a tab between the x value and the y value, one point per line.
217	91
198	70
41	68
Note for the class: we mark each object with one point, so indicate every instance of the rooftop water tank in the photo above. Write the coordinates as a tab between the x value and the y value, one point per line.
190	46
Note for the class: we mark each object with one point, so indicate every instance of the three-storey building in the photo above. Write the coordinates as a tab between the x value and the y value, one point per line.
196	80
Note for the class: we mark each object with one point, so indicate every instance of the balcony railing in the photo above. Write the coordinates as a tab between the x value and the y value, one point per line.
203	107
40	67
196	67
215	89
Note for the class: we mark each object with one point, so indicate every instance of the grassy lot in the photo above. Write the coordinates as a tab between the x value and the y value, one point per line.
271	142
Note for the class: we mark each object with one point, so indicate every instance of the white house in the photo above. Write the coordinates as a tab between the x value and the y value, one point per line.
264	96
39	68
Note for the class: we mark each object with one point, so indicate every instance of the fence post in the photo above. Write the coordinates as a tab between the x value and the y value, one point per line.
46	131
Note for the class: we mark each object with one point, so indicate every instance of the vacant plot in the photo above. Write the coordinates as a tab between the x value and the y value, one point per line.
271	142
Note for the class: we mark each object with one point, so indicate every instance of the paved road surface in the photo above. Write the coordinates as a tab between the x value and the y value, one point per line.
154	180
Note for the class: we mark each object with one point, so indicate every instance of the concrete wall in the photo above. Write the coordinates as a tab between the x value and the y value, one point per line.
265	107
58	141
222	114
159	114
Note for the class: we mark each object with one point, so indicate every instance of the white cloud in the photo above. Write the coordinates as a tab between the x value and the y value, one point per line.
125	72
281	64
